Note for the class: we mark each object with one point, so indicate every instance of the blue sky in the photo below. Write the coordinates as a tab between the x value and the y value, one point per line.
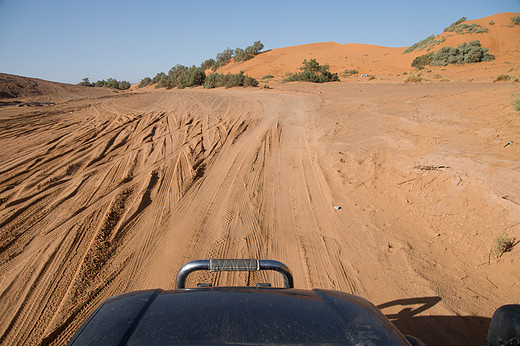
67	40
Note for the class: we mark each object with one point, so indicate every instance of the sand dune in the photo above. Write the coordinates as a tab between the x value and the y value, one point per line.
104	193
387	63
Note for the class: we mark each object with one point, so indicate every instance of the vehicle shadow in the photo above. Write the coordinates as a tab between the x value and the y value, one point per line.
436	330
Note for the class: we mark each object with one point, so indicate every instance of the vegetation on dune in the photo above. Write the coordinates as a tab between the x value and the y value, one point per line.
421	61
311	71
110	82
428	43
413	78
503	243
454	24
460	27
216	80
182	77
465	53
348	73
238	55
516	20
505	78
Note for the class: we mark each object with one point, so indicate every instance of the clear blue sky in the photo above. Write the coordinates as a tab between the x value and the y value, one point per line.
67	40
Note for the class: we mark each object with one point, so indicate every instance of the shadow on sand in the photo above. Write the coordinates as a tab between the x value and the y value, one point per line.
436	330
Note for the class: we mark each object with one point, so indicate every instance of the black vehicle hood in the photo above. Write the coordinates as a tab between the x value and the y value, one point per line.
237	315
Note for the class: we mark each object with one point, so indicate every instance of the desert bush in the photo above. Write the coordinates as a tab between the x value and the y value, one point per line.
491	22
267	77
257	47
194	76
113	83
463	28
207	64
471	52
428	43
348	73
516	20
505	77
85	82
454	24
124	85
100	83
158	77
145	82
502	244
413	78
216	80
421	61
311	71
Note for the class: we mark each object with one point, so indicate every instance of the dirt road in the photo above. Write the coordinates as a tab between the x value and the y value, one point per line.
106	195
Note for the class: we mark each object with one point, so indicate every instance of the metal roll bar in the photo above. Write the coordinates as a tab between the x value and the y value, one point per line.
218	265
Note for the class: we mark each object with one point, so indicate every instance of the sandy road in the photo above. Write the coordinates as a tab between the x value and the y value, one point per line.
113	194
116	195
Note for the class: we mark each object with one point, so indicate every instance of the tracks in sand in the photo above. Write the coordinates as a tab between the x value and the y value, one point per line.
101	198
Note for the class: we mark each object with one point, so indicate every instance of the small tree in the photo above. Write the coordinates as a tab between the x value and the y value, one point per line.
145	82
207	64
85	82
257	47
124	85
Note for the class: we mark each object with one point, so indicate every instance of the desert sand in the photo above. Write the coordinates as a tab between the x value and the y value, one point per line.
103	193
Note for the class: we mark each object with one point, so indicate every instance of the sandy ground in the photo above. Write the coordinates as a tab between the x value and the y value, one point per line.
109	194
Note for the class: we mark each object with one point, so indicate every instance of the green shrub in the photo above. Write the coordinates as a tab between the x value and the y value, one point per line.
503	243
454	24
491	22
100	83
267	77
145	82
421	61
428	43
471	52
216	80
124	85
158	77
463	28
413	78
348	73
207	64
516	20
313	72
113	83
85	82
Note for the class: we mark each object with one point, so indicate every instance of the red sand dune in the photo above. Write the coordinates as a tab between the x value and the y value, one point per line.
386	63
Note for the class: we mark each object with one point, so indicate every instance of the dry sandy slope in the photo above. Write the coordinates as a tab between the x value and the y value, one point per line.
114	194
